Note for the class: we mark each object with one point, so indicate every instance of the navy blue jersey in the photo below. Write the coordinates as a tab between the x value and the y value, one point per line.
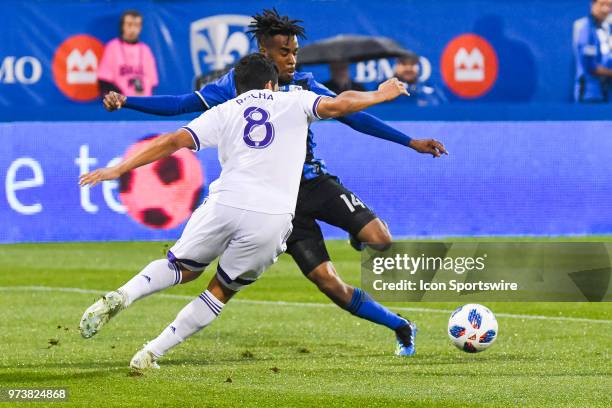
224	89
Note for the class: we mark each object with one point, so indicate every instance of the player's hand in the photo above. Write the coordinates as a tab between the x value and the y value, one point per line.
96	176
113	101
392	88
430	146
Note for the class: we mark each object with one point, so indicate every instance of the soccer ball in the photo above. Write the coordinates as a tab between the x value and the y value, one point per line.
472	328
162	194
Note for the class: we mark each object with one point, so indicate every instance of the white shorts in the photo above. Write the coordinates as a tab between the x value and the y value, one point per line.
246	241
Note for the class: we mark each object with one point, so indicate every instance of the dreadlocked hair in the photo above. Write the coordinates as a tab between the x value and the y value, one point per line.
269	23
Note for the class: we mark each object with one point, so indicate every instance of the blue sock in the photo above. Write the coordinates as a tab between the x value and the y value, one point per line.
364	306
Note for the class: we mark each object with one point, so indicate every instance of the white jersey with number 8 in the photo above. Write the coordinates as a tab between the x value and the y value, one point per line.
261	138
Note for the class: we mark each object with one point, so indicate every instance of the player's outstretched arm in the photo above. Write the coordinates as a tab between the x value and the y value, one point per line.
370	125
163	105
162	146
353	101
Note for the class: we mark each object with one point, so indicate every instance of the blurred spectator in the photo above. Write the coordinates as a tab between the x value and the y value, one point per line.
340	80
591	39
128	65
421	93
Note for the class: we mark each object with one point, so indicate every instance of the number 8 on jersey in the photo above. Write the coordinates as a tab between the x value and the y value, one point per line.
255	117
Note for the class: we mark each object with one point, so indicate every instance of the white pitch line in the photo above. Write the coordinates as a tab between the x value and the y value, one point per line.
298	304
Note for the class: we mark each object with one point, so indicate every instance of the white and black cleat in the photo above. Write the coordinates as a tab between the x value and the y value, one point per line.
98	314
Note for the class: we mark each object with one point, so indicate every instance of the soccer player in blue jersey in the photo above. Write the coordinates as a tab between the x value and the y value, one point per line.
592	37
321	196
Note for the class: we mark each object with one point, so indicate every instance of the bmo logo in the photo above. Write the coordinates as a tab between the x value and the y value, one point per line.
75	67
81	68
24	70
469	66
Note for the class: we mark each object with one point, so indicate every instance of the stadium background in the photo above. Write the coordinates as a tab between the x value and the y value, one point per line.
524	159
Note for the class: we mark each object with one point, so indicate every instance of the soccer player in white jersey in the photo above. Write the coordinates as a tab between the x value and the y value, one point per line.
261	137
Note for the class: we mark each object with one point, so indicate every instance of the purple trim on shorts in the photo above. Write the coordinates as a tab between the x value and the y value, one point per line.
229	280
223	275
189	262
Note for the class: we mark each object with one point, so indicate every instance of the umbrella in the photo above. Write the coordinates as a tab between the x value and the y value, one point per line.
350	48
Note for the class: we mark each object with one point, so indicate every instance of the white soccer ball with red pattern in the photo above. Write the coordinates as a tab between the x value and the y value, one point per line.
472	328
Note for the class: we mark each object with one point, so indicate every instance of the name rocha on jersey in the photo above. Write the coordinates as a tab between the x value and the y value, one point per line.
253	95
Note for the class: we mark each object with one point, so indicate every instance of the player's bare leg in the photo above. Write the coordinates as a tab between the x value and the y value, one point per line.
359	303
327	280
191	319
188	276
374	234
377	235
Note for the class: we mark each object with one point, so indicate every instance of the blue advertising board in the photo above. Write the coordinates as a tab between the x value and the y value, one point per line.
477	51
501	178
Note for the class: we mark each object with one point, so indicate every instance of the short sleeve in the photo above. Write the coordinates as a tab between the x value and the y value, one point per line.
310	101
205	129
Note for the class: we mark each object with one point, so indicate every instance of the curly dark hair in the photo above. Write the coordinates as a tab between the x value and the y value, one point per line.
269	23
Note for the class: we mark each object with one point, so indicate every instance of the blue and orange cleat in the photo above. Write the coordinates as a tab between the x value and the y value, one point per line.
406	339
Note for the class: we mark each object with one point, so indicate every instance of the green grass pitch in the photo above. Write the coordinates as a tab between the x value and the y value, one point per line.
281	343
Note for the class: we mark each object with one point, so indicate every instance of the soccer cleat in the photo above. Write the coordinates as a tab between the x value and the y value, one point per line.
144	360
101	312
406	339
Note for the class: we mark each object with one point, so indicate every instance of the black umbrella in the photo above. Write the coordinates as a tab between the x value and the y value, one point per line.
350	48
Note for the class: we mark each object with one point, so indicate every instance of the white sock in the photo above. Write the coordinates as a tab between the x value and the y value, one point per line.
157	275
193	318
